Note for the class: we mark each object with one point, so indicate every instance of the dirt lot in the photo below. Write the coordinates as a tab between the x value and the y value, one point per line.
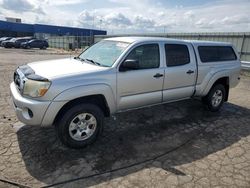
173	145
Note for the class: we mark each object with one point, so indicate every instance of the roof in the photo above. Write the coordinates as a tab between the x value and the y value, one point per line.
140	39
162	39
50	29
202	42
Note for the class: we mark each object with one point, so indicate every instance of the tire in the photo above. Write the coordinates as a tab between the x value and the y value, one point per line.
80	125
215	98
43	48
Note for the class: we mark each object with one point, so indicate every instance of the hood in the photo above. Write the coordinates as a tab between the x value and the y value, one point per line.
62	67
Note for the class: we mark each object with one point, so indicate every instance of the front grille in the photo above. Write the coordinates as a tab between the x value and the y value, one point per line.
17	79
21	75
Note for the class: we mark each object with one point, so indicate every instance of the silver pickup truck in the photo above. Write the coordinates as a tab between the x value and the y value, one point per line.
120	74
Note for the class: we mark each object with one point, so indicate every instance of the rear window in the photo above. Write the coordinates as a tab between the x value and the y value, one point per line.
176	55
216	53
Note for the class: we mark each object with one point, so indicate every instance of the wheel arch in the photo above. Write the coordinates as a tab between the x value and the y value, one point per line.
97	99
224	80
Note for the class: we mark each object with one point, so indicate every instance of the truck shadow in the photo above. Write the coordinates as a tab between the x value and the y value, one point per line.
171	134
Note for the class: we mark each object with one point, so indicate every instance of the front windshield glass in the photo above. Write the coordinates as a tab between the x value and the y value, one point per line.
104	53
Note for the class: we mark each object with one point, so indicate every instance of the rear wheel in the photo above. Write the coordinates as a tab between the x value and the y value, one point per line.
215	98
80	125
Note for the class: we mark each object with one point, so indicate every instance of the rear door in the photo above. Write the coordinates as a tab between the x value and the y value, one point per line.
36	44
180	72
141	87
33	43
45	43
39	44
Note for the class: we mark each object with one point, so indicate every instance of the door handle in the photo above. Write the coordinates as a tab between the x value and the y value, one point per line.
158	75
190	72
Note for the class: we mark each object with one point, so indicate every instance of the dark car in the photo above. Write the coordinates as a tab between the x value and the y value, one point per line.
17	43
35	43
4	39
8	43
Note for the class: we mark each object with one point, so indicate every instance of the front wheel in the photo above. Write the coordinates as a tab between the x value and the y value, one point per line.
215	98
80	125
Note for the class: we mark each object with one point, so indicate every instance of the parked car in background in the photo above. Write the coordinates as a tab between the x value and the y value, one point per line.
4	39
17	43
8	43
35	43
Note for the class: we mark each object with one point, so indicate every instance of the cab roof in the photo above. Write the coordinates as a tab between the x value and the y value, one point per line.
163	39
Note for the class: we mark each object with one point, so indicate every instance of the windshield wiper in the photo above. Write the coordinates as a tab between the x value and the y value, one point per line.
77	57
90	61
95	63
81	59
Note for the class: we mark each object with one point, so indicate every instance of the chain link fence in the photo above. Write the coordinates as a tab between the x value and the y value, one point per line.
70	42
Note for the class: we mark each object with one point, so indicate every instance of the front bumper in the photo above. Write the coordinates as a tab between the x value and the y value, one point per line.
28	111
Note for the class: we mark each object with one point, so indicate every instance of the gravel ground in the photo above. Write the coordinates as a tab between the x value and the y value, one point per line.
174	145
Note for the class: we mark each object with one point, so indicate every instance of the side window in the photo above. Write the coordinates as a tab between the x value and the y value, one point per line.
216	53
226	53
147	55
176	54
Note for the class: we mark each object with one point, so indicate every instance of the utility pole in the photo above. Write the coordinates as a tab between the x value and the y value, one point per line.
100	24
93	24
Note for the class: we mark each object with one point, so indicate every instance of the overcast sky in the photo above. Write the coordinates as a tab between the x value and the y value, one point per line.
131	16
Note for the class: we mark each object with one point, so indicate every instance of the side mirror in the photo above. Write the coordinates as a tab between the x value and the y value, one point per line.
129	64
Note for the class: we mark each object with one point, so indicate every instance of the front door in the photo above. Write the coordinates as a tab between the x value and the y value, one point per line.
142	86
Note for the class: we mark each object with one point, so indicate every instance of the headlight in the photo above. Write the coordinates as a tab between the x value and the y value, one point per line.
35	88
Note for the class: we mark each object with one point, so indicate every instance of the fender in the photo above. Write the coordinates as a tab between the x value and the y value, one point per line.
87	90
213	79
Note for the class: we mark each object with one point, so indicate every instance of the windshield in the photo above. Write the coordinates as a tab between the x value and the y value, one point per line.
104	53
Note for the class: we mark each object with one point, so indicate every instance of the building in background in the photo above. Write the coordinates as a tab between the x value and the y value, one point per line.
57	36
